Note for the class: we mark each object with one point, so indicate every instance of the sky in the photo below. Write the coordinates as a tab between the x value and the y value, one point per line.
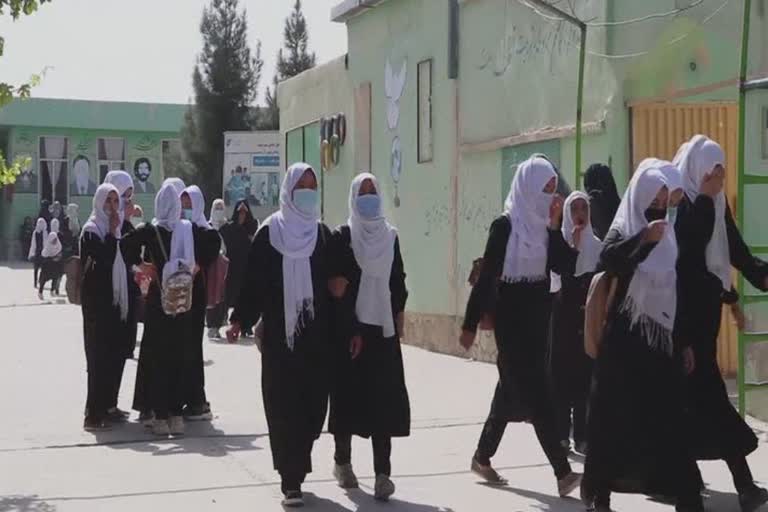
141	50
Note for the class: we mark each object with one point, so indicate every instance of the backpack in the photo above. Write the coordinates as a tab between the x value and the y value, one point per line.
75	273
600	298
176	291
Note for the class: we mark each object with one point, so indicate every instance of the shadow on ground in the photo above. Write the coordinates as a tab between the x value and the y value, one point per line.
24	504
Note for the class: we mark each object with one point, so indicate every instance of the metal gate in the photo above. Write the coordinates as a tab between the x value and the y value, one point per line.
658	130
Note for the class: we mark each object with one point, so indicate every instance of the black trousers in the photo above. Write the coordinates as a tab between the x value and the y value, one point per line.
543	421
36	272
382	451
563	408
100	367
168	370
216	317
194	379
743	480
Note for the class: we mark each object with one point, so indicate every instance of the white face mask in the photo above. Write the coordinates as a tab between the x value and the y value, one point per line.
542	204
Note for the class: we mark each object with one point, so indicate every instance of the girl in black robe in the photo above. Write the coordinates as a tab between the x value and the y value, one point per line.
570	367
635	432
710	243
369	397
524	245
217	315
51	265
167	337
603	197
36	247
105	303
286	285
237	235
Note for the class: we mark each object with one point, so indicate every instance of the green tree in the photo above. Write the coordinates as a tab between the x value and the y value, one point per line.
292	59
225	82
17	8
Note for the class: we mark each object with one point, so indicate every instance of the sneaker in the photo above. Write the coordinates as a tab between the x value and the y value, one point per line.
96	425
116	415
384	488
581	448
160	428
753	499
176	425
213	333
568	484
198	413
146	418
345	476
293	499
487	473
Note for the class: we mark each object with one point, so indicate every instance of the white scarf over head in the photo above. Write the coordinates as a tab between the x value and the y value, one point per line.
651	299
177	184
73	214
198	206
218	214
527	207
52	246
40	227
589	245
168	216
373	243
696	159
98	224
123	182
293	234
55	225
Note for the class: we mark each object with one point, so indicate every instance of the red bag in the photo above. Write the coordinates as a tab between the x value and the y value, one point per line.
216	281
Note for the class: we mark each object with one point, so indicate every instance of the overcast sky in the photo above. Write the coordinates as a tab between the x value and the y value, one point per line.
141	50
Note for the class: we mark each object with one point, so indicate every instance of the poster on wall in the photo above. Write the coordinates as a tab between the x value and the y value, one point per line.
83	182
253	164
26	181
142	173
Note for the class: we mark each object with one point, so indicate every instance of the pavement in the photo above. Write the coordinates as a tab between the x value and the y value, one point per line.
49	464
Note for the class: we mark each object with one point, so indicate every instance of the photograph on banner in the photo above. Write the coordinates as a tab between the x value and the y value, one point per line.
252	171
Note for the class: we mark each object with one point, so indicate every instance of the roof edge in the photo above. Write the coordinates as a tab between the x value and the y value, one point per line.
347	9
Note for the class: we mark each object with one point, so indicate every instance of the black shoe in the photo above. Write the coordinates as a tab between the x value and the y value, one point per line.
198	413
116	415
293	499
753	499
96	425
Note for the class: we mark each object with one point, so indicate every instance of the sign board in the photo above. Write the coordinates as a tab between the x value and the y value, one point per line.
253	166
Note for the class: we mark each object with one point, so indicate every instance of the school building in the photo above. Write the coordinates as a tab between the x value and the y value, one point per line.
442	99
72	145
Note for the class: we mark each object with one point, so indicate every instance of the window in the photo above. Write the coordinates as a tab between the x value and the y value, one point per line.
111	156
54	182
424	108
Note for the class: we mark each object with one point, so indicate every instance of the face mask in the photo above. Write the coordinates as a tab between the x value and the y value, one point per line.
305	200
542	204
652	214
369	206
187	214
672	215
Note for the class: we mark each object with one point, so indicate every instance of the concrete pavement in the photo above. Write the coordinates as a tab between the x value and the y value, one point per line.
47	463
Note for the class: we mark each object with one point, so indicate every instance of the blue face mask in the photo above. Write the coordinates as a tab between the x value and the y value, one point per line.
306	200
369	206
672	215
187	214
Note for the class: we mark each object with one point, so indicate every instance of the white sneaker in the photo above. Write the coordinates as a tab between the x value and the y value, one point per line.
176	425
160	428
384	488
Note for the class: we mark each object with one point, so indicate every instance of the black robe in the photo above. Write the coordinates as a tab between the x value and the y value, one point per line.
604	198
522	314
295	383
237	239
368	395
635	433
717	431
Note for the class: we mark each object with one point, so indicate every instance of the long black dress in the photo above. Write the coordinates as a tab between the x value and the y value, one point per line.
603	198
295	383
635	432
570	367
717	430
103	330
522	314
37	259
167	348
368	395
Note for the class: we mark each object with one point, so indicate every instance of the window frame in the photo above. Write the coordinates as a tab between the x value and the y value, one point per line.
429	65
40	161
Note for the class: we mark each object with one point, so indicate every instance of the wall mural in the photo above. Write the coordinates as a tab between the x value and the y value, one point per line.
142	171
394	86
83	183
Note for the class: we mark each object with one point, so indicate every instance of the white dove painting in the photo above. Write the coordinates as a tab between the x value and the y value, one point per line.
394	86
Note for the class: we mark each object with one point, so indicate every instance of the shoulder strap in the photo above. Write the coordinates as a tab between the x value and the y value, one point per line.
160	242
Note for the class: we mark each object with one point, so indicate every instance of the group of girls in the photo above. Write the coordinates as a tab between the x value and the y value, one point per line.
51	243
653	402
331	307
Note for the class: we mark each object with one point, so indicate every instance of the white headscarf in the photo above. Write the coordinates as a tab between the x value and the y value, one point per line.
589	245
373	243
527	207
168	216
73	214
98	224
198	206
40	227
176	183
122	181
54	225
52	246
293	234
696	159
218	214
651	299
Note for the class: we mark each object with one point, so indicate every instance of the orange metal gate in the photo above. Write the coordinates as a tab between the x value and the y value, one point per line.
658	130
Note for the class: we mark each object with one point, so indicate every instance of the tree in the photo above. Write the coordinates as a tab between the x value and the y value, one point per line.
225	82
8	172
298	60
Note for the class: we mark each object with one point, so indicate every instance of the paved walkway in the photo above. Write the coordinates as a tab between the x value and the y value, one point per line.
47	463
